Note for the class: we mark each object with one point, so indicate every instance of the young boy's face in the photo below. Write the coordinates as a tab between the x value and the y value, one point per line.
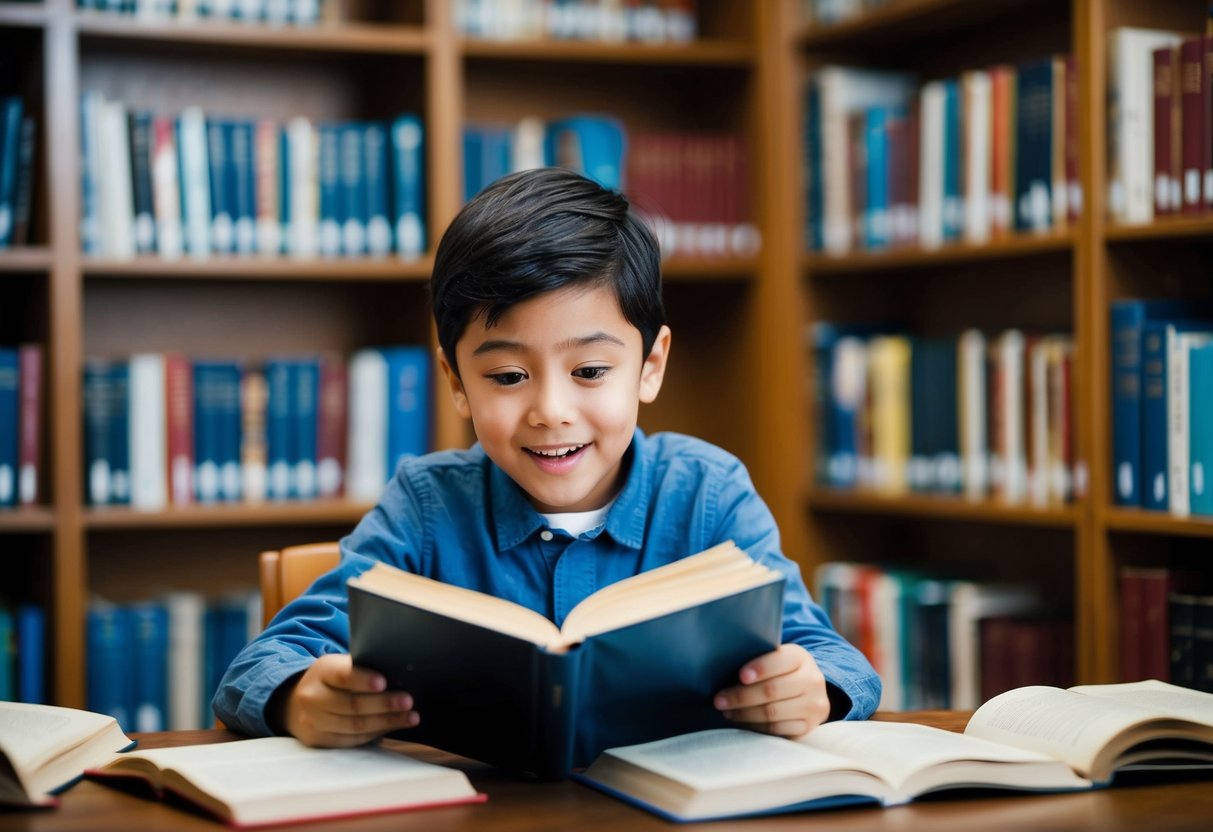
553	390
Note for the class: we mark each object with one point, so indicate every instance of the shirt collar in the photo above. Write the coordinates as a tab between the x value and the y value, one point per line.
515	519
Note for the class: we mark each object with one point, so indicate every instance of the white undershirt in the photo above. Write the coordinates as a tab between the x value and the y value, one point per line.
577	522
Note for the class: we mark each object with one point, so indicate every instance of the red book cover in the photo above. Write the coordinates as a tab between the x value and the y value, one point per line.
1156	585
1164	82
1130	625
331	422
29	445
1002	79
179	428
1192	82
997	636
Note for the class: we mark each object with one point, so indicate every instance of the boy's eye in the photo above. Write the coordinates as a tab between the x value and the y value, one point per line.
591	373
507	379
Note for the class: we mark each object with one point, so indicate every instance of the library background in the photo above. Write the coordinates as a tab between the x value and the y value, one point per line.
938	272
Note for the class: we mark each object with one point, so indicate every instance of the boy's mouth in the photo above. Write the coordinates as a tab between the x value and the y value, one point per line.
555	453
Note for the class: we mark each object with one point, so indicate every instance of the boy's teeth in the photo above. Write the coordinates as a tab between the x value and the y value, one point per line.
560	452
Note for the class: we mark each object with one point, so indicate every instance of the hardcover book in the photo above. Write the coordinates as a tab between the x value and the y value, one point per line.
636	661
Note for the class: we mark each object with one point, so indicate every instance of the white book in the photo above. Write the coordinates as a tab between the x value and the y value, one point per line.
527	152
979	159
304	213
1131	121
367	472
930	165
884	597
186	658
970	602
148	437
1012	453
1179	429
195	181
117	202
974	442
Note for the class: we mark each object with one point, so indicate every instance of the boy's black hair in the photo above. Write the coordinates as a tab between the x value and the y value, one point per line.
536	231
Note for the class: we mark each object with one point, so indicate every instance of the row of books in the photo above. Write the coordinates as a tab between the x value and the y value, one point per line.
891	163
18	130
1160	147
650	21
22	653
1162	405
268	12
692	187
155	665
161	429
204	185
21	424
837	11
1166	626
974	414
941	642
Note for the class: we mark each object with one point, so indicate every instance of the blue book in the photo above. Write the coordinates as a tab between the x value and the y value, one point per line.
226	626
1200	440
209	391
814	195
10	409
8	655
243	185
230	432
278	434
352	204
90	223
473	161
1127	326
109	674
408	416
284	190
31	654
305	387
593	145
408	180
218	154
328	184
97	416
877	224
140	131
118	405
11	110
378	182
953	161
148	622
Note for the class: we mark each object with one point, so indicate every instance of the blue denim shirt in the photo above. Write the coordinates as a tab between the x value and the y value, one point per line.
456	517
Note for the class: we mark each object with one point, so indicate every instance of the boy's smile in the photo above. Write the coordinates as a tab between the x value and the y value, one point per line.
553	390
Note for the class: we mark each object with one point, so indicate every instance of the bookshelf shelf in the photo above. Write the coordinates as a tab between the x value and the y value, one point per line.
940	507
699	54
30	15
824	265
27	259
1165	229
302	514
901	20
241	268
690	270
1157	523
353	38
24	520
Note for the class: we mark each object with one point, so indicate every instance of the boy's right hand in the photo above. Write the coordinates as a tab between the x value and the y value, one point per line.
336	704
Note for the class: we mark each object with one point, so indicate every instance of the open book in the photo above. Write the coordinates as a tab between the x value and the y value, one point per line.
276	780
45	748
637	660
1034	739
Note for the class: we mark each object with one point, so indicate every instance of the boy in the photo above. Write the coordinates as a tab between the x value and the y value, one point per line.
547	297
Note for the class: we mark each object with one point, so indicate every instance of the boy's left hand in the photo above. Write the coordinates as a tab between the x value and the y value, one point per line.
782	692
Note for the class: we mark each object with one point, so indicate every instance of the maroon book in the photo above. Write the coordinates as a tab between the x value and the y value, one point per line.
1194	115
179	428
331	430
1166	185
29	446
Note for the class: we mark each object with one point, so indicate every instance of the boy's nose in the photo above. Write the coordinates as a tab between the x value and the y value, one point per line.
552	406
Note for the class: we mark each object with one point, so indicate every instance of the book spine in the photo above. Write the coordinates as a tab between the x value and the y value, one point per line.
11	110
31	654
23	199
1208	108
353	186
30	425
329	189
166	190
244	186
148	432
109	675
1074	195
408	165
119	394
378	223
1033	144
1164	128
186	612
278	429
305	390
1126	327
179	428
1154	419
331	429
149	661
1194	121
195	181
10	408
231	418
1202	643
368	407
1181	609
1200	418
408	421
90	163
141	143
266	167
253	452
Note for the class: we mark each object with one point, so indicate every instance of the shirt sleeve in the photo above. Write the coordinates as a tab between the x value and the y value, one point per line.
317	622
853	685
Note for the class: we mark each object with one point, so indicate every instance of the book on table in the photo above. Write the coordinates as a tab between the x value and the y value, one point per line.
1032	739
635	661
45	748
277	780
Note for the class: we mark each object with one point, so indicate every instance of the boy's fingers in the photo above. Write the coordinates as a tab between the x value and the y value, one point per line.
784	659
362	704
339	671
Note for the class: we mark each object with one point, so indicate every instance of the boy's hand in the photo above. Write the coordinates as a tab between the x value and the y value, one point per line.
336	704
782	692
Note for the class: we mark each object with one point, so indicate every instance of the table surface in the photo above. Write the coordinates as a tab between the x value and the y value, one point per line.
516	803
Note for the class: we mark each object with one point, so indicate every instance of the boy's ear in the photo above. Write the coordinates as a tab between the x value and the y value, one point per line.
653	371
455	386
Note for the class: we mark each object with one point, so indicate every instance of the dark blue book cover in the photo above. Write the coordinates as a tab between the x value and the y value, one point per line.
109	674
218	154
231	431
504	699
209	391
10	409
1032	199
8	655
243	185
11	110
473	161
814	197
278	433
352	205
119	421
139	127
305	389
149	660
953	161
408	416
284	189
96	397
409	187
378	187
31	654
328	188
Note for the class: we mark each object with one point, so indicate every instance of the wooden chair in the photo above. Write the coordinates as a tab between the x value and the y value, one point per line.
287	572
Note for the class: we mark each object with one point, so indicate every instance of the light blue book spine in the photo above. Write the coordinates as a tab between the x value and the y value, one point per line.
243	185
408	403
877	209
353	202
408	166
329	189
109	666
11	109
305	386
149	648
953	162
1200	442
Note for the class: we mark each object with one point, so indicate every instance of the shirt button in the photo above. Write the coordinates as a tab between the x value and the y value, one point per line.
546	535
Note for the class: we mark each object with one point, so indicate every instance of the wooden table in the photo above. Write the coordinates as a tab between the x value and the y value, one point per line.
519	804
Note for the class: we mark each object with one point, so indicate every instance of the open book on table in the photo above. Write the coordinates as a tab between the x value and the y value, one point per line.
276	780
1034	739
46	748
637	660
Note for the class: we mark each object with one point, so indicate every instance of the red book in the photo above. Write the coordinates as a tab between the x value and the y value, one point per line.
1166	115
1131	586
331	421
1192	83
179	428
29	445
1002	96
